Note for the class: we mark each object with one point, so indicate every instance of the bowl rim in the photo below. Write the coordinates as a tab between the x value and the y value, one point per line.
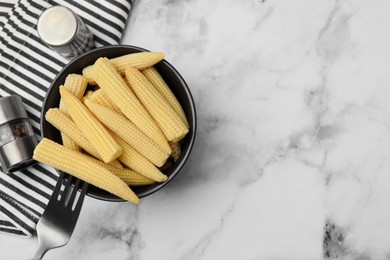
187	91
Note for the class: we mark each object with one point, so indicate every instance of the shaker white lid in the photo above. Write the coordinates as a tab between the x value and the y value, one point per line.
57	25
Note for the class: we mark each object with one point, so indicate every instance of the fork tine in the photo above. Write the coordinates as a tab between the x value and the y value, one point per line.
58	221
58	186
73	194
65	192
81	197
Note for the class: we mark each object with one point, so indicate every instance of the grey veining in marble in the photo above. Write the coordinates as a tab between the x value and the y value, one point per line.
291	160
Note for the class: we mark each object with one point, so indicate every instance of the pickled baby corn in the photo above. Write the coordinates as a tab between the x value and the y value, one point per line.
116	89
130	177
122	127
76	85
176	150
140	60
66	126
100	97
69	143
158	82
115	163
167	119
88	94
93	130
135	161
88	74
83	167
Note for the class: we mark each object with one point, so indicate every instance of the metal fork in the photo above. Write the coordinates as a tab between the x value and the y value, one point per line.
59	219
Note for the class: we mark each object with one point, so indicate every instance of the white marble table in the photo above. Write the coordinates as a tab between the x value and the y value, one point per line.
292	158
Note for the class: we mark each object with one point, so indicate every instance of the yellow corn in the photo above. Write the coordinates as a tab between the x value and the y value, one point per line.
140	60
83	167
135	161
169	122
116	164
130	177
88	94
122	127
88	74
93	130
116	89
67	127
100	97
69	143
176	150
159	83
76	85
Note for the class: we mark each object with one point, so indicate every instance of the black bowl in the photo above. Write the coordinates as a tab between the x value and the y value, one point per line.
170	75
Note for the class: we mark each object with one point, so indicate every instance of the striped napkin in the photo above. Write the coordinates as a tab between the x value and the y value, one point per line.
27	68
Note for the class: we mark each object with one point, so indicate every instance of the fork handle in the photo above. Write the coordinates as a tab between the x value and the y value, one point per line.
38	253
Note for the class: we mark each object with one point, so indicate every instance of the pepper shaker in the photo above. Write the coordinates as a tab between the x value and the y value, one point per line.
63	31
17	139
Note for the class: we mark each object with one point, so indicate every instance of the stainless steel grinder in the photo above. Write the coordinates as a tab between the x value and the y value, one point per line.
17	139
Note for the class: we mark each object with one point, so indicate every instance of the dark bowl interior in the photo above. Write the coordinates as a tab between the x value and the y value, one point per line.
170	75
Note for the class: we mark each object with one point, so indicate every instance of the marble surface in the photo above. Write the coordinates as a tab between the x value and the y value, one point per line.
291	160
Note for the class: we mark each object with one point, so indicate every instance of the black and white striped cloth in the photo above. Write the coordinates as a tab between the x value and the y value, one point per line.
27	68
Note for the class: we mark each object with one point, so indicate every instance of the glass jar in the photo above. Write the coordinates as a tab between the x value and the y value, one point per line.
17	139
62	30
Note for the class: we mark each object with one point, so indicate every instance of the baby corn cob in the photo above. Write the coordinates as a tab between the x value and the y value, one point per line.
69	143
83	167
158	82
114	163
140	60
130	177
176	150
76	85
122	127
100	97
88	74
67	127
135	161
88	94
93	130
169	122
116	89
